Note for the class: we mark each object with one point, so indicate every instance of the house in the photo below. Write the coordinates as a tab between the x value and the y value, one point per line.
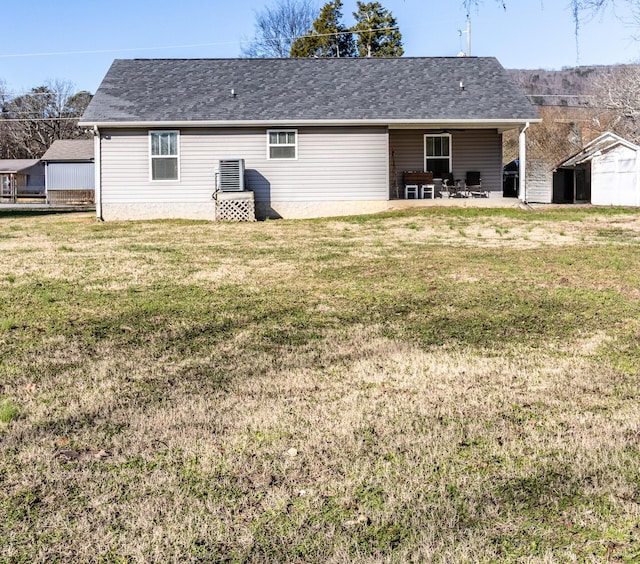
316	137
21	179
69	172
605	172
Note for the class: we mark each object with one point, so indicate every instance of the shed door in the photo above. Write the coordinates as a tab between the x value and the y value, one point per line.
583	184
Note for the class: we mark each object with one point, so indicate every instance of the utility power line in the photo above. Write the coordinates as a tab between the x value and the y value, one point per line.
106	51
185	46
2	120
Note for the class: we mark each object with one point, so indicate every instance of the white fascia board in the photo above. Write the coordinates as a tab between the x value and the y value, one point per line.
391	124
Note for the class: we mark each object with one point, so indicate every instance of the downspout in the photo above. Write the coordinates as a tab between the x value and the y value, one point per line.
522	173
97	164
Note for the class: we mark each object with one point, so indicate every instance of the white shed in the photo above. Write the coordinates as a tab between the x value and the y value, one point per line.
605	173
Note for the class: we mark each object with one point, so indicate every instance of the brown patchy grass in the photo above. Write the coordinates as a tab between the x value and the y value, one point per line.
439	385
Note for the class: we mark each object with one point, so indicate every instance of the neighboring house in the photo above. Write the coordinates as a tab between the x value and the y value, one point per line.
318	137
605	172
70	172
21	178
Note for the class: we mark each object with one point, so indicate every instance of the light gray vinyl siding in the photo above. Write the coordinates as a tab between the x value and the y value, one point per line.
539	185
339	163
473	149
70	176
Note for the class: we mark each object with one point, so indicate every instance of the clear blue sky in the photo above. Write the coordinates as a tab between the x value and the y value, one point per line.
77	40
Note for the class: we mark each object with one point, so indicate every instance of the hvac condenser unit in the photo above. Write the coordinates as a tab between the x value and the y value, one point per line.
231	175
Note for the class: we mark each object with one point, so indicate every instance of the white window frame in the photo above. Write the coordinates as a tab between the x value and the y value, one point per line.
152	156
449	158
294	145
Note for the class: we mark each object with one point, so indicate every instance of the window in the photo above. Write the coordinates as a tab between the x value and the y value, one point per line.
164	155
282	144
437	153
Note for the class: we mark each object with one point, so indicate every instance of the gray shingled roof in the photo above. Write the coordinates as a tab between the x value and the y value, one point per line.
376	89
17	165
70	150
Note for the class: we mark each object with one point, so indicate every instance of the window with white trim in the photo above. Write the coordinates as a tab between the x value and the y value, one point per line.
437	153
164	155
282	144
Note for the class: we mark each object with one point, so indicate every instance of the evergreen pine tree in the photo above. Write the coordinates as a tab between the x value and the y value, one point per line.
376	31
328	36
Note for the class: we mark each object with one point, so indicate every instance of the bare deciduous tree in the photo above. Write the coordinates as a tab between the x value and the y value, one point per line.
579	8
33	121
4	143
616	94
277	27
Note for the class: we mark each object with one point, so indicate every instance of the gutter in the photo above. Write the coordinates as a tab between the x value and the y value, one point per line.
391	123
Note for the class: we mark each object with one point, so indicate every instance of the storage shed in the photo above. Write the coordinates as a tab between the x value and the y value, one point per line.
605	172
69	172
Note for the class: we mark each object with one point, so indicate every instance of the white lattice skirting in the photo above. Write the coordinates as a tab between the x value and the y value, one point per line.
235	206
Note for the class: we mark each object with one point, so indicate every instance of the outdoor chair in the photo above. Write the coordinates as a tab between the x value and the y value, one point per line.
427	190
427	187
473	185
411	190
447	187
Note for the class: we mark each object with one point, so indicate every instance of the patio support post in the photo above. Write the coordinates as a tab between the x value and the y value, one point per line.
522	172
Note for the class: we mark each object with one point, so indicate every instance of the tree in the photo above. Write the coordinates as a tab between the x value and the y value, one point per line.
579	8
616	93
4	134
328	37
277	27
33	121
376	31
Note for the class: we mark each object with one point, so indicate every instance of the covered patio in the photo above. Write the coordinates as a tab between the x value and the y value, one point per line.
447	163
21	180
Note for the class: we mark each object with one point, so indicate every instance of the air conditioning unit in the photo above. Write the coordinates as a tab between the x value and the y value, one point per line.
231	175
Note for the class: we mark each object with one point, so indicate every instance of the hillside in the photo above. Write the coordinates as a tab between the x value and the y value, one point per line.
576	105
567	87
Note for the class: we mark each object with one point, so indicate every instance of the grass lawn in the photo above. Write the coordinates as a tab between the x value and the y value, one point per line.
442	385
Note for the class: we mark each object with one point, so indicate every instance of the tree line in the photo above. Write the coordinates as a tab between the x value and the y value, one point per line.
31	122
294	28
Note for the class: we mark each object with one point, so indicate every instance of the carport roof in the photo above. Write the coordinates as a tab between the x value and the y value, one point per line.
13	166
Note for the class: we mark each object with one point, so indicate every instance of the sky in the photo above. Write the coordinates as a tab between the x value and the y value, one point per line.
76	41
